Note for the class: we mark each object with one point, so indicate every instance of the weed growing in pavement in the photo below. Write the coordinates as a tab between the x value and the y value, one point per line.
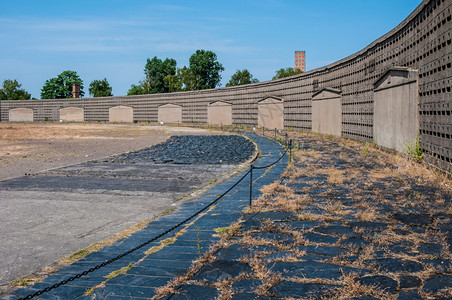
414	150
198	242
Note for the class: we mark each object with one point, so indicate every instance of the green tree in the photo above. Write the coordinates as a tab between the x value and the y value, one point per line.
205	69
286	72
241	77
174	82
137	89
160	77
100	88
61	86
11	91
156	70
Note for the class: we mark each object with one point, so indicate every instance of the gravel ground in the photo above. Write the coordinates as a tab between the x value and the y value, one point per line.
190	149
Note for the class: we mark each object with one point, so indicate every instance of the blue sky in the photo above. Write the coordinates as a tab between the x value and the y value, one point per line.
112	39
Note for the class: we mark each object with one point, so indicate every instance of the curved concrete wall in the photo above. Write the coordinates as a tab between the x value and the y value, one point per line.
421	42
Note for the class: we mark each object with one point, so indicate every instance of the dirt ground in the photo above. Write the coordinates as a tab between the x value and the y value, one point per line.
31	148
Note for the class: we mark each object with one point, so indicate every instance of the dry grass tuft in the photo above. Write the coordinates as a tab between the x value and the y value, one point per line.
335	176
353	288
276	187
293	172
269	281
367	215
308	216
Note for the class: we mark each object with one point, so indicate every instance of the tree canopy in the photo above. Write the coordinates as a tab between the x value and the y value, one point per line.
100	88
61	86
156	70
137	89
11	91
286	72
241	77
206	69
163	76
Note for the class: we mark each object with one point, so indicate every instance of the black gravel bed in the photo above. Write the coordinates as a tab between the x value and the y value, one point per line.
191	149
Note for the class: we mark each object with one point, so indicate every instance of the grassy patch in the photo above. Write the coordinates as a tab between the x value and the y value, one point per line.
168	212
222	230
121	271
26	280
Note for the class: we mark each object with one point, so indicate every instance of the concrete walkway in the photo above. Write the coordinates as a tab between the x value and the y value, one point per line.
146	270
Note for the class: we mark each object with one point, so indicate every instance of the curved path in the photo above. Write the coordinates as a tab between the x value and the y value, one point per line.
148	271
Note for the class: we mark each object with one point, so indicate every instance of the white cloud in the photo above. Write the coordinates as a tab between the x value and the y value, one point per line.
108	35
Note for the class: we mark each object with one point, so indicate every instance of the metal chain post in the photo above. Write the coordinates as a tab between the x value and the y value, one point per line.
251	184
290	150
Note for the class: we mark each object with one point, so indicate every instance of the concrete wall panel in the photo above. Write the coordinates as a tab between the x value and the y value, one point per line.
72	114
327	112
170	113
21	115
270	113
396	118
219	113
121	114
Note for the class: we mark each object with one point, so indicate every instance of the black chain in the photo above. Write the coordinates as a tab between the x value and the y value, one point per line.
274	163
47	289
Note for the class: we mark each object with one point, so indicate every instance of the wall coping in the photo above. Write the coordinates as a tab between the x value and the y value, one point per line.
328	89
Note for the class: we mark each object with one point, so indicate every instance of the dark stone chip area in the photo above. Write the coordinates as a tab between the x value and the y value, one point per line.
191	149
288	289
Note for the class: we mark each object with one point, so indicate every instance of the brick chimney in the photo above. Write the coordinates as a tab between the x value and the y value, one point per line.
75	90
300	60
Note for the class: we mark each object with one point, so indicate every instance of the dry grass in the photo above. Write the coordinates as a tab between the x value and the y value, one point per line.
308	216
276	187
367	215
351	287
335	176
293	172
